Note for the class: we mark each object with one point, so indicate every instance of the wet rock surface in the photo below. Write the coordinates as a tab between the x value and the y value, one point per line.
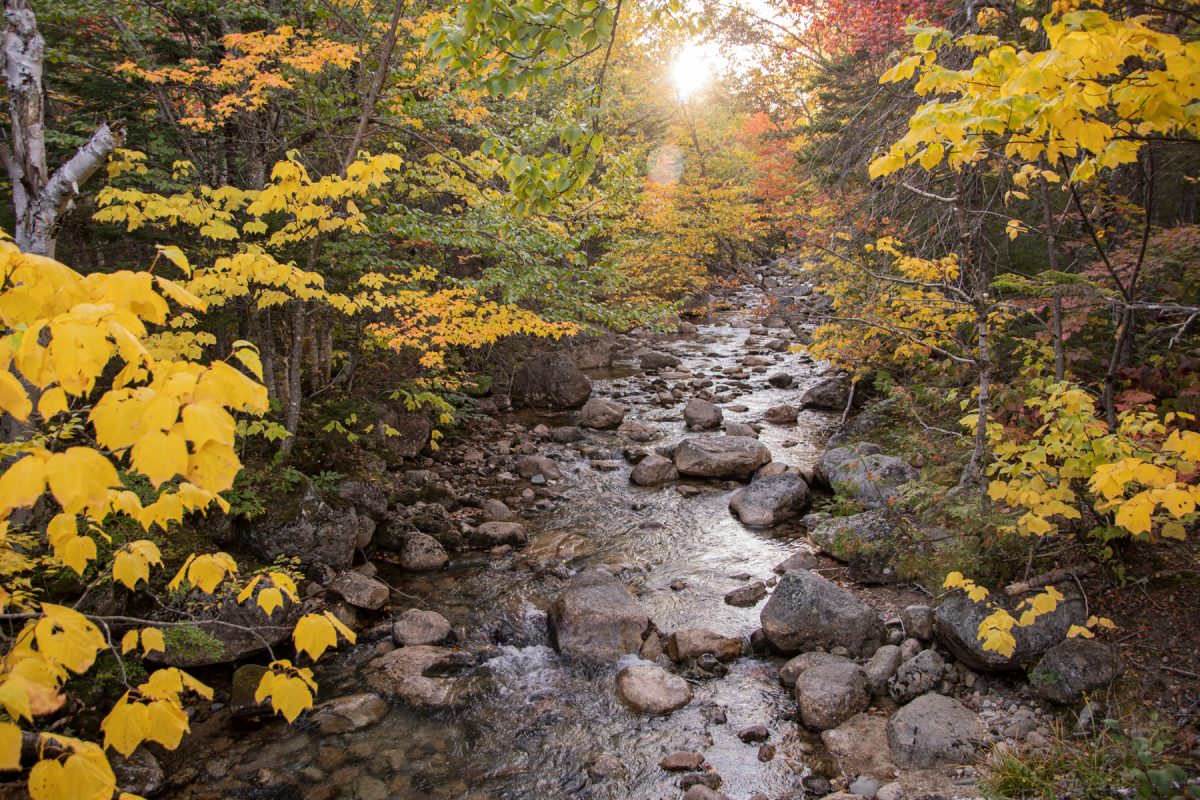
806	612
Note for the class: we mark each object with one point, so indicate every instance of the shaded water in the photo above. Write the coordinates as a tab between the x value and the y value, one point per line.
534	720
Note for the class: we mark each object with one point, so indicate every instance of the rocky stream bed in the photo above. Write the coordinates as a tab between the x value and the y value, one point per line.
597	602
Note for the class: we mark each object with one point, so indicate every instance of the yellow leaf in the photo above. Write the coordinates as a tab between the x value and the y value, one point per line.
129	642
205	422
269	600
314	634
289	689
126	726
1173	530
80	479
176	257
153	639
23	483
167	723
1078	631
160	456
10	747
13	397
53	401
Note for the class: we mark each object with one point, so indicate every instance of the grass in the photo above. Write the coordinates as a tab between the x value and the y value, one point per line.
1107	764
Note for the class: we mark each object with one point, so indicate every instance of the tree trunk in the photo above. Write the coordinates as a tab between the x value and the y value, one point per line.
40	198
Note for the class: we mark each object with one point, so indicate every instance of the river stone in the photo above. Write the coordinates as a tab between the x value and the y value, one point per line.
918	621
1073	667
746	596
781	415
231	632
740	429
601	415
694	642
881	668
605	766
654	470
596	619
781	380
359	590
795	667
917	676
721	456
864	473
831	394
956	626
416	626
860	746
420	552
311	527
492	534
367	497
496	511
350	713
652	690
866	542
771	500
682	761
698	791
807	612
653	361
830	694
422	676
637	432
702	415
530	467
550	380
933	731
139	774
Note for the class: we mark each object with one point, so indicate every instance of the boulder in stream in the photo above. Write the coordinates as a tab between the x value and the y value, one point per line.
771	500
550	380
359	590
493	534
421	675
420	552
829	694
601	415
349	713
416	626
597	619
702	415
694	642
807	612
652	690
830	394
656	361
781	415
654	470
721	456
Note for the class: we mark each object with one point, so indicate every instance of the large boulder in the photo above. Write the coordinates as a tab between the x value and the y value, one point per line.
867	542
830	394
864	473
368	497
1073	667
228	632
829	694
550	380
695	642
655	361
702	415
790	672
933	731
420	552
312	527
601	415
860	747
770	501
806	612
423	676
596	619
721	456
654	470
493	534
652	690
417	626
956	626
359	590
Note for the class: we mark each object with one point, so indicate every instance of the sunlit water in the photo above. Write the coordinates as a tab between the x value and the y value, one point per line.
534	719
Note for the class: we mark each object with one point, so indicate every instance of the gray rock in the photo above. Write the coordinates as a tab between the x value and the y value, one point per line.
682	762
918	622
830	694
350	713
550	380
795	667
596	619
863	786
422	676
740	429
721	456
781	380
139	774
312	527
932	731
1073	667
367	497
859	746
694	642
746	596
496	511
654	470
601	415
652	690
881	668
770	501
420	552
637	432
230	631
494	534
867	542
655	361
416	626
831	394
890	791
530	467
807	612
917	676
360	591
864	473
781	415
702	415
566	434
699	791
956	627
605	766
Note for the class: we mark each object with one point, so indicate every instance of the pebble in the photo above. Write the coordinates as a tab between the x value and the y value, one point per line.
754	733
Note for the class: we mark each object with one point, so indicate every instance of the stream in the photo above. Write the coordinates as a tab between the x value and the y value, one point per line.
535	720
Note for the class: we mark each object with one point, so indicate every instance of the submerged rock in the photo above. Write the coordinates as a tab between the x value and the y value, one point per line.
350	713
721	456
746	596
422	675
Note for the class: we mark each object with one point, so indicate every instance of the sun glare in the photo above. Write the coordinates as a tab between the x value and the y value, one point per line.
693	68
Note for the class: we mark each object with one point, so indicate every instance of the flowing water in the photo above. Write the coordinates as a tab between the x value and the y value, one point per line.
534	720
